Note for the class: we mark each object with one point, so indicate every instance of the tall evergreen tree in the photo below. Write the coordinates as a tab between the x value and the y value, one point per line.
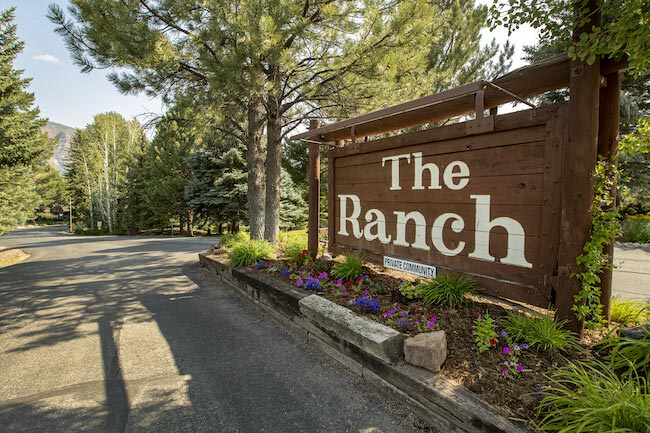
275	61
22	144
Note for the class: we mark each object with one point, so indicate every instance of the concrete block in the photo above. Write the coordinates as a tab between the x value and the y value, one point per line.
374	338
427	350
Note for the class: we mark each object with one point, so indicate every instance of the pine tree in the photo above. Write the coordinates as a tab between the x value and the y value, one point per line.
22	144
273	63
21	139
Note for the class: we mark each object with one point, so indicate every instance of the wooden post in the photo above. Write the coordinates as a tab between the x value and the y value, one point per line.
579	164
609	118
313	174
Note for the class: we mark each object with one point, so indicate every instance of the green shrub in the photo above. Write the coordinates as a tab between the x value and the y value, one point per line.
628	312
540	332
248	252
448	290
229	240
350	268
590	397
636	229
294	251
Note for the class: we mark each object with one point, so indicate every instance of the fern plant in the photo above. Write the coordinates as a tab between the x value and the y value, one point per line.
485	334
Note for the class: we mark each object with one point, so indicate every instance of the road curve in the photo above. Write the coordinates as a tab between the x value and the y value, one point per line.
122	334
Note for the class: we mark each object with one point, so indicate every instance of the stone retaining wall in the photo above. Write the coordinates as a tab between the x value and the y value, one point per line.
367	348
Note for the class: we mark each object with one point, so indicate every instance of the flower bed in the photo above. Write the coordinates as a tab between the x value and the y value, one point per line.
508	374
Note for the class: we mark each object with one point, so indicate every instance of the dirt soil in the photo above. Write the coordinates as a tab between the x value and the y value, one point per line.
514	395
11	256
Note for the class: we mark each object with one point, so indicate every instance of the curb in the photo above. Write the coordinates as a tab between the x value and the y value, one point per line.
451	408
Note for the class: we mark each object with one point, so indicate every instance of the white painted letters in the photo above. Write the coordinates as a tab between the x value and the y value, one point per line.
483	226
353	219
394	169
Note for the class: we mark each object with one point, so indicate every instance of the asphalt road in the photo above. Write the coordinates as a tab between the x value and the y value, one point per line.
117	334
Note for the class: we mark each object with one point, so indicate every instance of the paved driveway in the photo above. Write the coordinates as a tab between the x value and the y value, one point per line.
632	273
116	334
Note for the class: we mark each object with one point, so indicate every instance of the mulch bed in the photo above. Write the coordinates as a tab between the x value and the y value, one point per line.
515	395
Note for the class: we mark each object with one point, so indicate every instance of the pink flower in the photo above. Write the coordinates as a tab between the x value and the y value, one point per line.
506	350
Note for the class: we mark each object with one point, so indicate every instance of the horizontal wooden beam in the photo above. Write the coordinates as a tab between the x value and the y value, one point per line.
524	82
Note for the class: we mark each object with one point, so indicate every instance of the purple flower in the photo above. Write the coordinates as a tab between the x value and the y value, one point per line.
433	320
403	313
259	265
504	333
313	284
506	350
525	346
339	283
431	325
403	324
299	283
367	303
344	293
520	368
285	272
322	275
515	309
364	276
515	347
505	372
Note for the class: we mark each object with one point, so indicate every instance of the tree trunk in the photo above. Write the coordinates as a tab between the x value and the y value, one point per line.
273	169
255	162
190	221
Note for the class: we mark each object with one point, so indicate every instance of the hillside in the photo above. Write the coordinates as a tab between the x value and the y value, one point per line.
64	135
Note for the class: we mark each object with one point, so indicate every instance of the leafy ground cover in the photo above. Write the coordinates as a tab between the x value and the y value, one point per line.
515	357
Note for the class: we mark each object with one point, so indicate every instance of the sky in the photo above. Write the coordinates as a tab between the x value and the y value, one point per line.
67	96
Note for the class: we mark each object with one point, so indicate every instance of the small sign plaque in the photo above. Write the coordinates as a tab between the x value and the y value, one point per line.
410	267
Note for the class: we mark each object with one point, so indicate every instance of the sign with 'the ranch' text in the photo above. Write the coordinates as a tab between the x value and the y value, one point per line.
474	204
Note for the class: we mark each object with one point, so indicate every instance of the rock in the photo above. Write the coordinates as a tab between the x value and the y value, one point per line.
636	333
427	350
326	258
372	337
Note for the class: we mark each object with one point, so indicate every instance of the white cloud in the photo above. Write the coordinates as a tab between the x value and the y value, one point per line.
47	58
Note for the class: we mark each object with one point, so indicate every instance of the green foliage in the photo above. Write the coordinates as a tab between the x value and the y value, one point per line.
592	398
627	312
350	268
448	290
541	332
218	184
293	208
604	228
634	151
624	28
22	144
248	252
229	240
21	141
100	158
18	197
636	228
408	290
629	357
485	334
295	252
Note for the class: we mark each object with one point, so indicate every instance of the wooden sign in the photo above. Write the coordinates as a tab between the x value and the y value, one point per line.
476	200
